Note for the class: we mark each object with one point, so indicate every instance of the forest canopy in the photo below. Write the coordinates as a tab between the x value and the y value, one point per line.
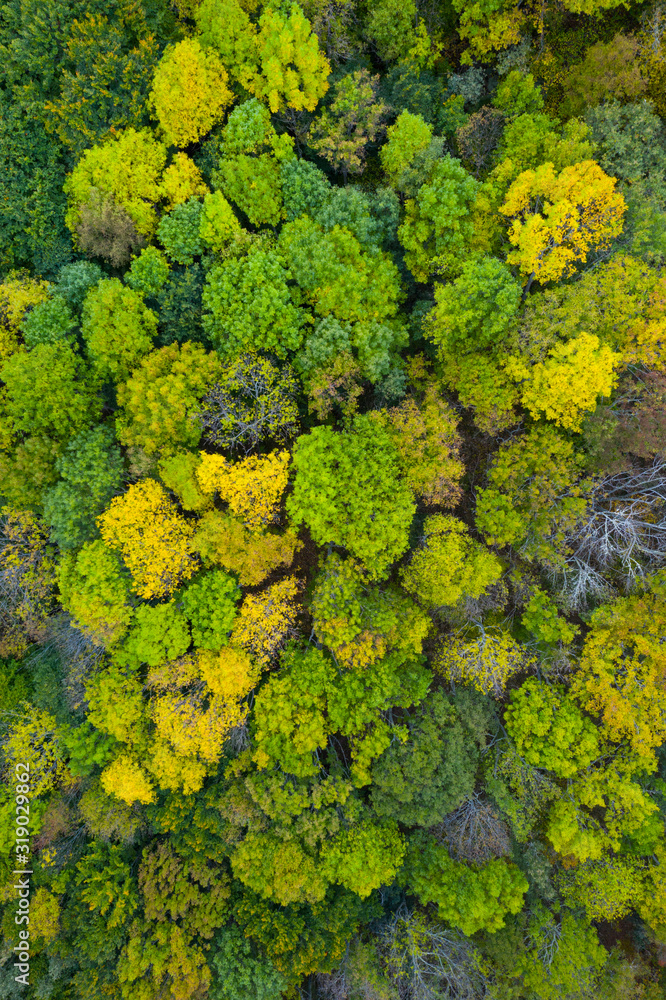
333	500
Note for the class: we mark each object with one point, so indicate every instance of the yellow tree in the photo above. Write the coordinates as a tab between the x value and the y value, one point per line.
558	219
266	620
622	670
189	92
566	385
154	540
293	72
253	487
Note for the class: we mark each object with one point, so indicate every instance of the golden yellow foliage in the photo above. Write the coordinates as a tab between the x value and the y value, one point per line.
622	670
189	92
230	672
557	219
253	487
194	725
153	539
182	180
174	772
566	385
266	620
486	661
125	779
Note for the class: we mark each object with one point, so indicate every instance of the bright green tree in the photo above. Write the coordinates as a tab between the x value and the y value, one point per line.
348	491
117	327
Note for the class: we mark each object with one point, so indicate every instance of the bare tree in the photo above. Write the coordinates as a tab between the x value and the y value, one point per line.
475	831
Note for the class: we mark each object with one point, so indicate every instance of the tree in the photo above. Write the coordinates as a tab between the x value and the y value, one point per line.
438	224
32	740
449	565
266	620
148	272
50	391
484	657
181	181
518	95
558	219
252	487
472	899
178	232
249	173
104	229
128	169
251	307
353	120
609	70
209	604
479	137
292	72
221	540
117	327
488	26
91	470
476	310
421	780
621	669
105	79
568	383
359	623
349	492
189	92
218	224
391	27
226	28
340	277
409	136
254	401
240	971
157	634
48	322
159	400
549	730
154	540
534	496
95	588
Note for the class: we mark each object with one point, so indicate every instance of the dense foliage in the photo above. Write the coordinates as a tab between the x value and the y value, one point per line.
333	499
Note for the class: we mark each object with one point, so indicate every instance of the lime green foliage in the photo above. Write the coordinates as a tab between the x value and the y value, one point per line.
148	272
409	136
438	227
449	565
420	781
339	276
128	168
218	225
178	473
540	617
250	306
226	28
348	491
518	94
159	399
470	898
533	496
249	172
178	232
49	322
549	729
364	857
117	327
51	391
606	890
292	71
210	605
158	633
91	470
576	961
476	310
95	589
361	623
